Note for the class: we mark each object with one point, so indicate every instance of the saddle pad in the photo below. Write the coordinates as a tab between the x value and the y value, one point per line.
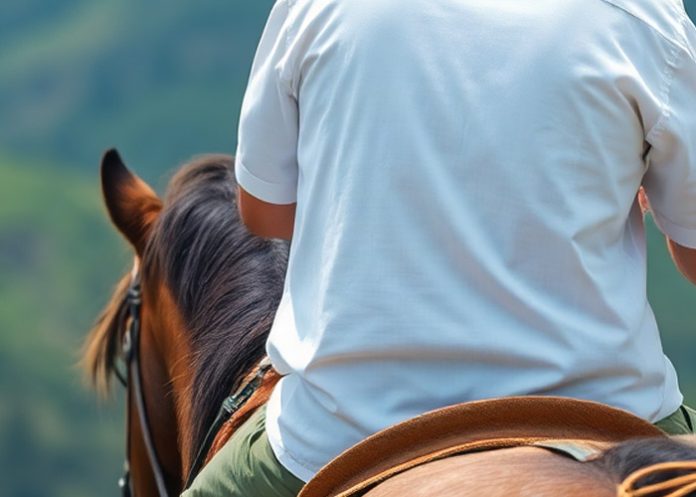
474	426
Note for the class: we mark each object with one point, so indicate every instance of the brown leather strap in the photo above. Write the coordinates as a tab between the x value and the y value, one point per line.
257	399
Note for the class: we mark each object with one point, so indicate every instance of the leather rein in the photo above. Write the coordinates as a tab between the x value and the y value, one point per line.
130	321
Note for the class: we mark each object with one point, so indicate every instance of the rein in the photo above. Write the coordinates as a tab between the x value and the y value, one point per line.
130	322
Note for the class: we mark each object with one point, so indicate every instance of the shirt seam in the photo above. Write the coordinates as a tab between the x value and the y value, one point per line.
665	94
671	41
676	46
288	39
290	4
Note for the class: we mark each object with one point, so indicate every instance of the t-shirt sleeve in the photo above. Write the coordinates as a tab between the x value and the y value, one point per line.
670	179
266	159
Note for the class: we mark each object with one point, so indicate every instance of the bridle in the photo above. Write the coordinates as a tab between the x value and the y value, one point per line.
130	321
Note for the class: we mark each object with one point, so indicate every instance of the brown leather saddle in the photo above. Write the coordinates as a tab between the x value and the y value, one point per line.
580	429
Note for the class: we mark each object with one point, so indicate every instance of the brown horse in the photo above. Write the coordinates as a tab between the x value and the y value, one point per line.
209	291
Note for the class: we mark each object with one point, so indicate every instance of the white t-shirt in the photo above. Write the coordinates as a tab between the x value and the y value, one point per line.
465	174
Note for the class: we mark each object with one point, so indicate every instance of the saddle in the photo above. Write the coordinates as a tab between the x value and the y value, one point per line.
580	429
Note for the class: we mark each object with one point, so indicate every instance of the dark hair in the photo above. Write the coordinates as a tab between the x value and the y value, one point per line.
226	282
624	459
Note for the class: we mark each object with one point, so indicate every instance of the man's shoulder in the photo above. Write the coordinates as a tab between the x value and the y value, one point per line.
668	18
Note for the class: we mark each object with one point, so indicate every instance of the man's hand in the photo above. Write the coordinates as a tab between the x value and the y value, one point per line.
265	219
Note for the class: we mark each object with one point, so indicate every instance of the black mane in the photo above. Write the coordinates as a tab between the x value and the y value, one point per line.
622	460
226	282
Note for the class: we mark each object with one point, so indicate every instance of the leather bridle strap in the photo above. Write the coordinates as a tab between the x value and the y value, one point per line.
229	408
131	350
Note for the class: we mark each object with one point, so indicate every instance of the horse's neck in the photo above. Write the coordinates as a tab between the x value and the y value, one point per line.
174	405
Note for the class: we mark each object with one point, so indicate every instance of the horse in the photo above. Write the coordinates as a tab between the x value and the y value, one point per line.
192	318
209	294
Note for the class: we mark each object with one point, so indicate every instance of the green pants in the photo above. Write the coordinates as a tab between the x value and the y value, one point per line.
247	467
682	422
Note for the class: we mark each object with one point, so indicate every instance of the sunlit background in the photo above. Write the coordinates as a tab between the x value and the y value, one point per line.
162	80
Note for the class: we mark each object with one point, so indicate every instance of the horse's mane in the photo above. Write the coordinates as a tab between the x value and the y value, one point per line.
226	283
622	460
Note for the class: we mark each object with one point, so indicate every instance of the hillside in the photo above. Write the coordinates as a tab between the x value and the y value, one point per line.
58	261
672	298
162	80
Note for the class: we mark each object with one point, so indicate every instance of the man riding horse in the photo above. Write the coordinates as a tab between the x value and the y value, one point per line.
460	182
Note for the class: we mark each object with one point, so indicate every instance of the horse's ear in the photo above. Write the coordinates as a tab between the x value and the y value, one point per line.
133	206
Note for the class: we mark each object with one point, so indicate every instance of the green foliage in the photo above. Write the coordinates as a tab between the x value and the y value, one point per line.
672	298
58	261
162	80
690	8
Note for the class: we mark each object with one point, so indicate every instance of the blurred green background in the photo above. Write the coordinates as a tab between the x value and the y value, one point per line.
162	81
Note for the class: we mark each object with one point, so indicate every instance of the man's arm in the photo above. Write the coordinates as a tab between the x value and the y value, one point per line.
265	164
684	258
265	219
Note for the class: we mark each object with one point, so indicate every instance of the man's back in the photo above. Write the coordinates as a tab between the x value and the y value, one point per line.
465	175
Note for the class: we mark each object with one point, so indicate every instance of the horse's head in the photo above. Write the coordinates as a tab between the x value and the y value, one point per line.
209	290
134	209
